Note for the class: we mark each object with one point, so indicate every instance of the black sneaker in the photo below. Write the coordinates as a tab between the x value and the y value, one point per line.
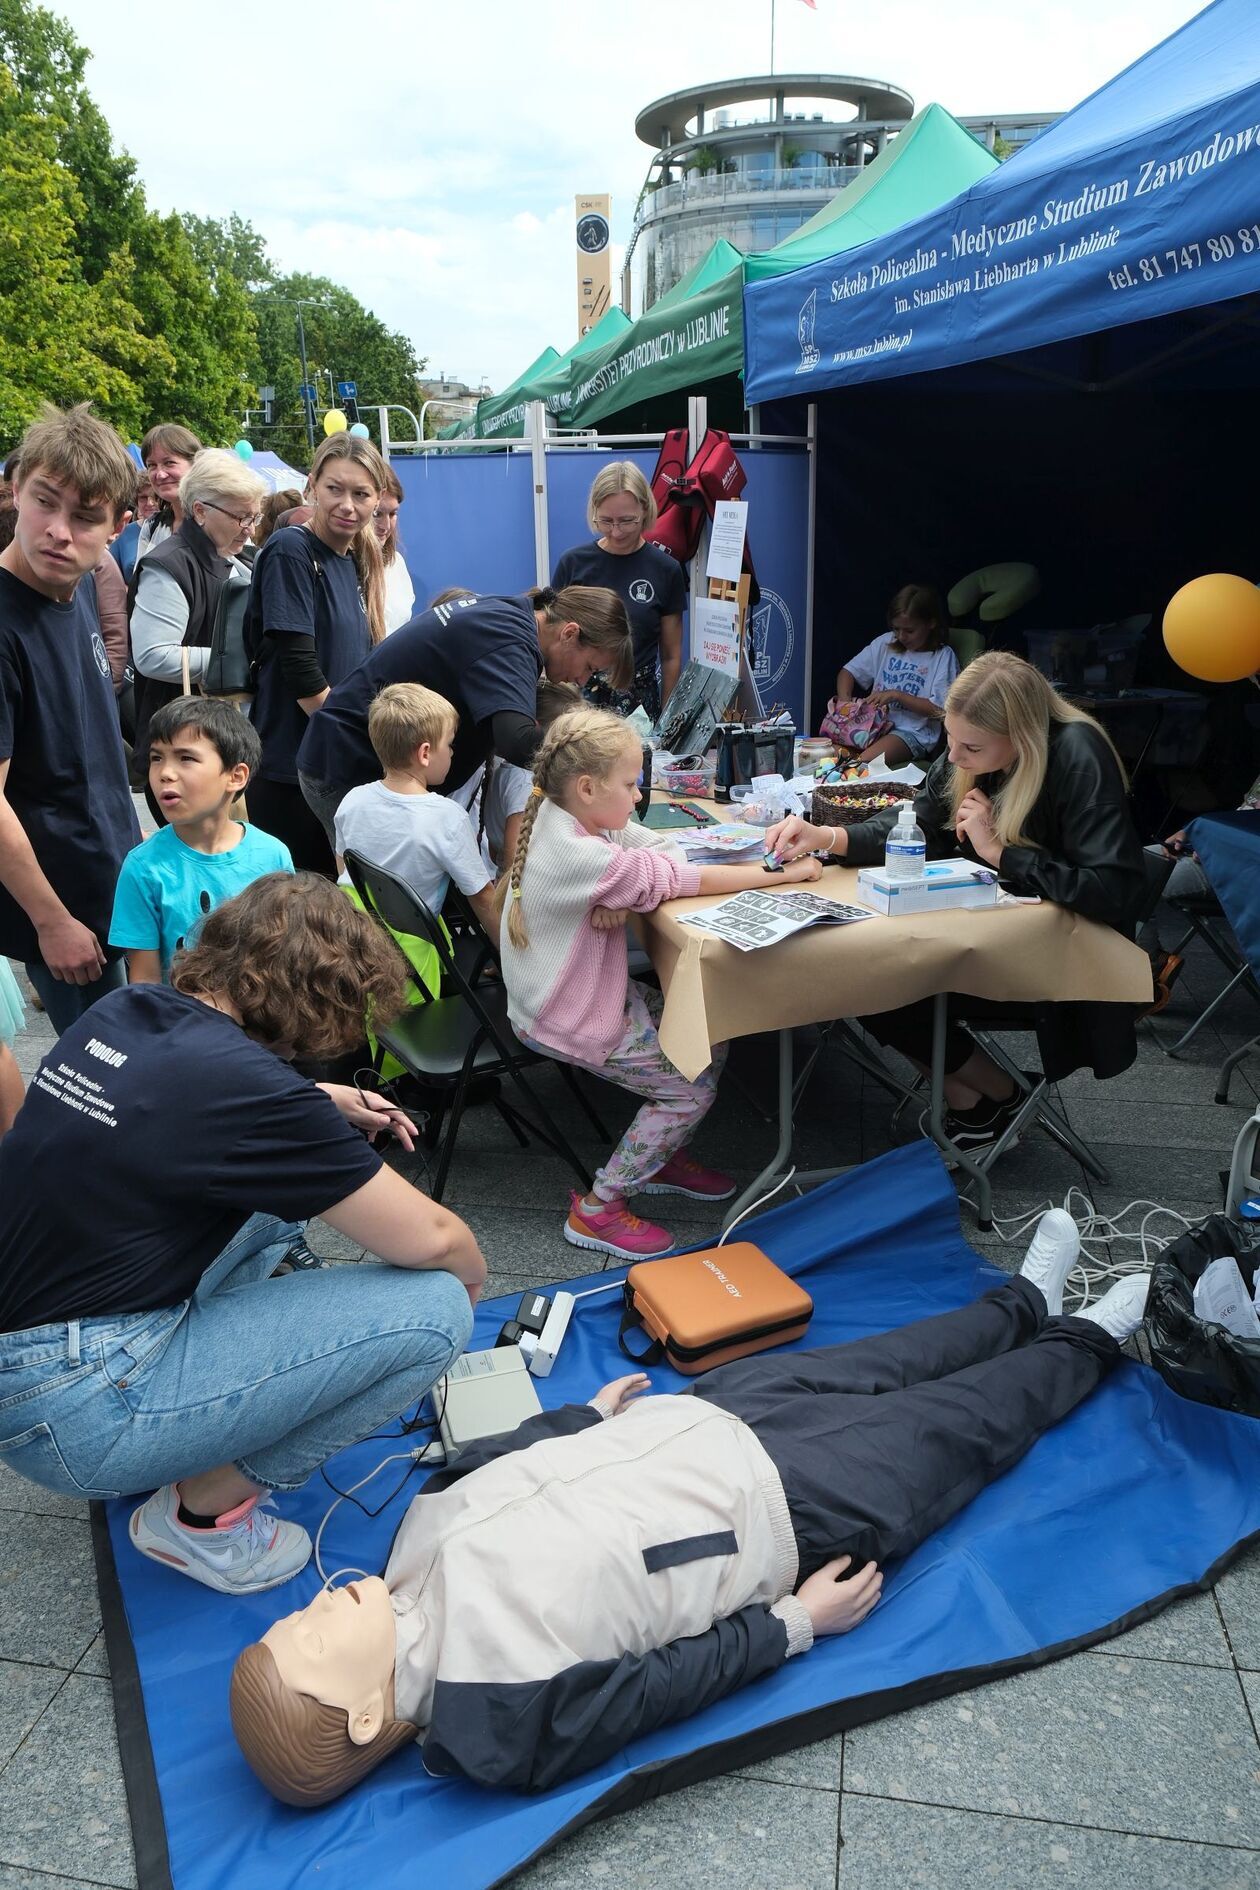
299	1259
986	1123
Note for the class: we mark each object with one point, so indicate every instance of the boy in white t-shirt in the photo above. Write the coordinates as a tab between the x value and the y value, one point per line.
396	823
908	671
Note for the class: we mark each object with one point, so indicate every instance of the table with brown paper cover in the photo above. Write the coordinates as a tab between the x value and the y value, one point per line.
1021	953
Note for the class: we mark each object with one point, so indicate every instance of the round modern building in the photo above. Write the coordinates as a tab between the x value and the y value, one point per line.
752	159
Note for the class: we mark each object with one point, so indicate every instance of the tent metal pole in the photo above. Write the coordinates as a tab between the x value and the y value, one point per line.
697	427
811	454
536	433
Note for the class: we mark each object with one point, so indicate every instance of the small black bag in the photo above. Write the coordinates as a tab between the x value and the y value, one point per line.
744	753
229	670
1196	1357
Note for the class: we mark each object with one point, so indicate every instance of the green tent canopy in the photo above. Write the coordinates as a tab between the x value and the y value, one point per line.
929	162
503	417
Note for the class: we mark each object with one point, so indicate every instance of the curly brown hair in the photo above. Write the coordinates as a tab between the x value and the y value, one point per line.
303	966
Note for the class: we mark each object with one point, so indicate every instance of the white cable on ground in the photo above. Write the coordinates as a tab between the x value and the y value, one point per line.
398	1456
754	1205
1093	1274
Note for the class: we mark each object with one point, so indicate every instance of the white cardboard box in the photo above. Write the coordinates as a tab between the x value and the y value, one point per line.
944	883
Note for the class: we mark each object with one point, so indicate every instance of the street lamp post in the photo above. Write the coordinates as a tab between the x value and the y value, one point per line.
286	301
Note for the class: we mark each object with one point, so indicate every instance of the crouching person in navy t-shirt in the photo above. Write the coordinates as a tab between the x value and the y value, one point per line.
144	1340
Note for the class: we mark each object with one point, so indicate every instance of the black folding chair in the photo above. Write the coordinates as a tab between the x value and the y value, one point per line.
447	1043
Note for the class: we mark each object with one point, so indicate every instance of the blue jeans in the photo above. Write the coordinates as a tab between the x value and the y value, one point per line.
64	1004
274	1375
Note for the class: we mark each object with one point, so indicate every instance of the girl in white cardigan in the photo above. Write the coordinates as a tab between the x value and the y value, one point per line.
565	969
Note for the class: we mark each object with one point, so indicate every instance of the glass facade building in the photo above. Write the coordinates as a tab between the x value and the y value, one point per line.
752	159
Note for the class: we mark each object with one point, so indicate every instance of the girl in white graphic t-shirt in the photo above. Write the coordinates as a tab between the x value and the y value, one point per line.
907	671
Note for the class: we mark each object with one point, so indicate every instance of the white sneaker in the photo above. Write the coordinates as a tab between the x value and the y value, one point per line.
250	1548
1121	1308
1055	1250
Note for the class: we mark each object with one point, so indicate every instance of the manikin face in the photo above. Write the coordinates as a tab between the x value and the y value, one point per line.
604	806
340	1650
975	750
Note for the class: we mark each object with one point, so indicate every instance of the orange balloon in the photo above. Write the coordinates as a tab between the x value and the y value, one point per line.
1212	628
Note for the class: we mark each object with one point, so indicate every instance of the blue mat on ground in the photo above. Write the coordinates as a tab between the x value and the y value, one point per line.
1138	1497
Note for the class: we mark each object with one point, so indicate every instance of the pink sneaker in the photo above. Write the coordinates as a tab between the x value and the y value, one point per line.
615	1230
681	1175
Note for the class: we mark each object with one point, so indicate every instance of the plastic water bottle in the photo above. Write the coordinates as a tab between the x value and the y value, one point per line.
905	855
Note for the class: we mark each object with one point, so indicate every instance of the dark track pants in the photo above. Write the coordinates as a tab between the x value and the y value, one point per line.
880	1441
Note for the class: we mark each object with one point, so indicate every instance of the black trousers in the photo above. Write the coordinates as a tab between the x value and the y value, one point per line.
909	1029
879	1442
279	808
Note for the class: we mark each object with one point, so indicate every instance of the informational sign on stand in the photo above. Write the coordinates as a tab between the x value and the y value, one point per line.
726	539
715	634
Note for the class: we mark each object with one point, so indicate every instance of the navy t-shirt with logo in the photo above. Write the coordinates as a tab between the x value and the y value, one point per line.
301	588
176	1127
649	582
67	780
481	653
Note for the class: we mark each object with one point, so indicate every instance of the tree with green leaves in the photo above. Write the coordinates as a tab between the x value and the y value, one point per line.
61	336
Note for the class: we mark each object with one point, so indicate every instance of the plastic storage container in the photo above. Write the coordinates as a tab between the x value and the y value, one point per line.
696	779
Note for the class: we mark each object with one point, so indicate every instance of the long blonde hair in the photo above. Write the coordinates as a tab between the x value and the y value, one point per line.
1005	696
585	741
366	552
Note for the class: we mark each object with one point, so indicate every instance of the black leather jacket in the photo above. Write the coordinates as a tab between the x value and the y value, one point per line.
1086	856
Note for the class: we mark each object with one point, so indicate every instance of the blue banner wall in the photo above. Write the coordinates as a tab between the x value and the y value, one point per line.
467	519
1143	201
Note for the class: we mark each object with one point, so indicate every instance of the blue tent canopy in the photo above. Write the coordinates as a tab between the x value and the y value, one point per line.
1142	202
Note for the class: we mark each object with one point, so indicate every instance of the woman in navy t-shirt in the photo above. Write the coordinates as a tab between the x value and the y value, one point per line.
651	584
316	609
148	1191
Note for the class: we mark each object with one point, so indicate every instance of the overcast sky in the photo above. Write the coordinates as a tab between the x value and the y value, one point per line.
428	155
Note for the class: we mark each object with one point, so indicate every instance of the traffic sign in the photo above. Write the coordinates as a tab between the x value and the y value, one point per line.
306	392
347	390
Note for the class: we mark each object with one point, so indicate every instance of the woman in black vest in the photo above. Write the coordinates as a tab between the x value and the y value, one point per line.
175	589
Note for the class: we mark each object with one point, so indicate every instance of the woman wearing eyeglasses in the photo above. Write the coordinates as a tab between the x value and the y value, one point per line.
174	591
651	584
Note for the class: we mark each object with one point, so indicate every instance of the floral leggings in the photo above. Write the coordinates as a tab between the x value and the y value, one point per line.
675	1109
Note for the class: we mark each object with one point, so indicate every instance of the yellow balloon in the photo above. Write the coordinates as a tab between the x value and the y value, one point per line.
1212	628
335	421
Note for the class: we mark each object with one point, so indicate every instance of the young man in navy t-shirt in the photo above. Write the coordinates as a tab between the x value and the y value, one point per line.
66	817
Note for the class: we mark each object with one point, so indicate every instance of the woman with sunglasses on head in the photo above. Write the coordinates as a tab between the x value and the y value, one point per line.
650	583
174	591
315	613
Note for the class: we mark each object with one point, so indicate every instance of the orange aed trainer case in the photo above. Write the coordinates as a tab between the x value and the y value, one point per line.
703	1309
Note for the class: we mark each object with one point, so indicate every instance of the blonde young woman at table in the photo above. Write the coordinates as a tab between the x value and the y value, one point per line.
580	865
1033	787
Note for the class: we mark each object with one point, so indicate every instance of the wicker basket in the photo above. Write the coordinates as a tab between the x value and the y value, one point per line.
846	803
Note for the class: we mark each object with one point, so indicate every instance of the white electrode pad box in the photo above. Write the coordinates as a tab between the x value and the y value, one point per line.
483	1394
942	884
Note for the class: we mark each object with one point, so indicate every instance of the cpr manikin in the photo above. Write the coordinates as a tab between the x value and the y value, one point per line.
609	1568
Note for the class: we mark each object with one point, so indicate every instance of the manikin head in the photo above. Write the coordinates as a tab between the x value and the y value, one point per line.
313	1701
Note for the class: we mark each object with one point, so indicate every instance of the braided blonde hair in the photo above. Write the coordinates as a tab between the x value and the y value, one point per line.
585	741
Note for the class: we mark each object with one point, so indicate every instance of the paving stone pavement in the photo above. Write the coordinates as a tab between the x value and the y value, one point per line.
1133	1765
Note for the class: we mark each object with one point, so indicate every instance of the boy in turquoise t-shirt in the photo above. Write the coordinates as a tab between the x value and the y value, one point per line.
202	755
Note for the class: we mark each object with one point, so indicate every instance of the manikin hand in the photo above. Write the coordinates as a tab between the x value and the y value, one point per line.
617	1396
835	1606
608	918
